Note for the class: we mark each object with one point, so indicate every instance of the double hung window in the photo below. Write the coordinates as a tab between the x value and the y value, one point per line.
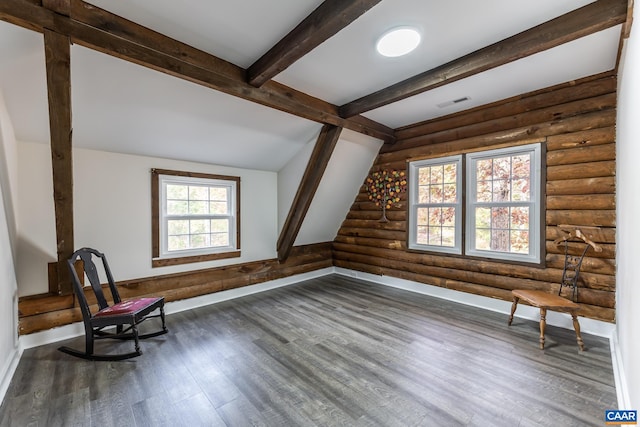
436	205
501	199
198	217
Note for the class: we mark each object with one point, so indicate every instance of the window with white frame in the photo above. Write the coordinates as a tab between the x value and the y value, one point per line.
502	204
197	217
436	205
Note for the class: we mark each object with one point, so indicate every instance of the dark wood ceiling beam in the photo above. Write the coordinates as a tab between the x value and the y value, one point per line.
581	22
126	40
62	7
316	166
57	48
324	22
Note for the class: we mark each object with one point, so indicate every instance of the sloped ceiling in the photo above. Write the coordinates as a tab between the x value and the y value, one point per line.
123	107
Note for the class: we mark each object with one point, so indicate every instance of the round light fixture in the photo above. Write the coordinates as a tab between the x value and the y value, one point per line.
398	41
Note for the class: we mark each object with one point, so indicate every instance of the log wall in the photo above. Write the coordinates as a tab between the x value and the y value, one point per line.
37	313
576	122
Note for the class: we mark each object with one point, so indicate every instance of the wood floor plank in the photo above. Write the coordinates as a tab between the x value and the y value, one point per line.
332	351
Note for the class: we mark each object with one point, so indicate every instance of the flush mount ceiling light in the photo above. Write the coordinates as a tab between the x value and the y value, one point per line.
398	41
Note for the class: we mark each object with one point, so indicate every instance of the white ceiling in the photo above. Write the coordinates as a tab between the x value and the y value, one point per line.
122	107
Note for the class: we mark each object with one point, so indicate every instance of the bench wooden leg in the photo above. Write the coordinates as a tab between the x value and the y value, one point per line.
513	309
576	326
543	324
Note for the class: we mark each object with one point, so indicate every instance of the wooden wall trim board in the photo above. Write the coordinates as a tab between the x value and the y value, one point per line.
49	311
577	122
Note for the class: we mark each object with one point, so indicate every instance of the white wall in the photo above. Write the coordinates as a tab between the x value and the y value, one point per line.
351	160
628	222
8	285
112	210
289	179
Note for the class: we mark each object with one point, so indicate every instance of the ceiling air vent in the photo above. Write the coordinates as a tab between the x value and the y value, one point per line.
453	102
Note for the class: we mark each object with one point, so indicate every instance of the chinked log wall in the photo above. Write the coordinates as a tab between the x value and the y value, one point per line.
38	313
576	120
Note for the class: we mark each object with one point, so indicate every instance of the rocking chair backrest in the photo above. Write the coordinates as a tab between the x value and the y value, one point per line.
91	271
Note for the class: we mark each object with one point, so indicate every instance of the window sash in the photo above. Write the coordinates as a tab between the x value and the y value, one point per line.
415	206
533	205
228	185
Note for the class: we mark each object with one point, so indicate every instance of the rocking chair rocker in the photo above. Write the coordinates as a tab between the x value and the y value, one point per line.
119	314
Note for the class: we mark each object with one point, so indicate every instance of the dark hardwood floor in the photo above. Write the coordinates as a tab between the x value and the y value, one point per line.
332	351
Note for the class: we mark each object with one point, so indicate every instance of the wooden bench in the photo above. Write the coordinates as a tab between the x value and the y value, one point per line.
546	301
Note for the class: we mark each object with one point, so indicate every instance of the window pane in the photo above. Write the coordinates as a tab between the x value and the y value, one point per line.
199	226
423	175
501	190
198	208
520	241
200	240
218	194
435	216
449	217
218	208
177	192
483	217
484	191
500	218
500	240
484	170
450	193
219	225
520	190
220	239
423	194
521	166
198	193
519	218
437	175
483	239
435	236
501	168
176	243
422	234
423	216
450	173
177	207
448	236
436	194
175	227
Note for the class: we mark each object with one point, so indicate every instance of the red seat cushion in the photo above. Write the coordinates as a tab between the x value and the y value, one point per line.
127	307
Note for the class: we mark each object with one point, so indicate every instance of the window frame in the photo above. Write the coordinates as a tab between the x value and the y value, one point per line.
160	256
414	205
535	203
465	223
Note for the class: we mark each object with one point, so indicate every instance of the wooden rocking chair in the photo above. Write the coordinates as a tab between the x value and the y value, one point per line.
546	301
117	315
